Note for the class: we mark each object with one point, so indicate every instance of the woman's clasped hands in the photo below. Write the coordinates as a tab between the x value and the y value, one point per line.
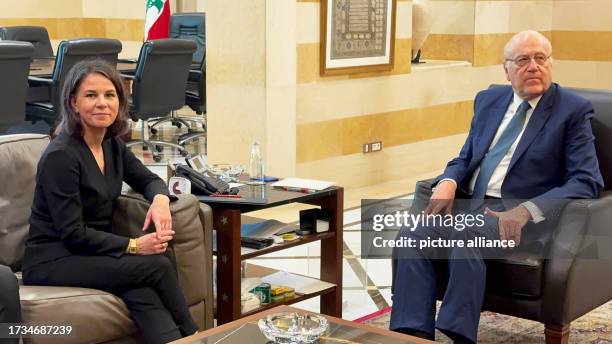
159	214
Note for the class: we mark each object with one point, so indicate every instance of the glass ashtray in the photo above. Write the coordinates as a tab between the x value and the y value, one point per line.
228	173
293	328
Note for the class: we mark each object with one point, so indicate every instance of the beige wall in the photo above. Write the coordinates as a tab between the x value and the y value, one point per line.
281	60
66	19
409	110
497	20
41	9
236	78
582	37
264	82
474	30
452	32
425	108
251	81
131	9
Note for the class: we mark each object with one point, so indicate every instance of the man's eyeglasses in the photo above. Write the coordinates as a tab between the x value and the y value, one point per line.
524	60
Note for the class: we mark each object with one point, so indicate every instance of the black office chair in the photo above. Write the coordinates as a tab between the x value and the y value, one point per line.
14	68
158	86
37	35
191	26
68	54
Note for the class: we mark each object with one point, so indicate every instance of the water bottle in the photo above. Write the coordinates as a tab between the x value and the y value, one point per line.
256	164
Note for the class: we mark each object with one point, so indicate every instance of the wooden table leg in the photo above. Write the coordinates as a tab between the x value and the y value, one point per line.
331	254
227	224
557	334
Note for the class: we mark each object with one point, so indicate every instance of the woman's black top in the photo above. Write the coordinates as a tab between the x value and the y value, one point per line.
73	200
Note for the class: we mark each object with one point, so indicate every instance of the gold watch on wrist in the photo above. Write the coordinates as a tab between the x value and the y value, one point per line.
133	246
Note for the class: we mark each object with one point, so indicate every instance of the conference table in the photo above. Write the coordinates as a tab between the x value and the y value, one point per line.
44	67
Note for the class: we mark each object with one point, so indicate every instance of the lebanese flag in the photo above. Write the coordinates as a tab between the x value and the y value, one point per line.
157	19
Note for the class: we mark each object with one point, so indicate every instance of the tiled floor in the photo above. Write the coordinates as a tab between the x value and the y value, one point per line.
366	282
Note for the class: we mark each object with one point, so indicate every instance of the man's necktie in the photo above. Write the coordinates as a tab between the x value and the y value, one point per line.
497	152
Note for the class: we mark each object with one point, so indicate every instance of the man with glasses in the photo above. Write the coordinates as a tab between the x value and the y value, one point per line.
531	141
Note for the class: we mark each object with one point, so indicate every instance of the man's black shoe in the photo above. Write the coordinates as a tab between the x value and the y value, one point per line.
415	333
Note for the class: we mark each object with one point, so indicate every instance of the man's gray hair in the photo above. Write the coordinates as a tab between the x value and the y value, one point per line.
522	36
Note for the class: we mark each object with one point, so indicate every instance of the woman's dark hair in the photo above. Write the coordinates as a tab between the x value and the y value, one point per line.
71	121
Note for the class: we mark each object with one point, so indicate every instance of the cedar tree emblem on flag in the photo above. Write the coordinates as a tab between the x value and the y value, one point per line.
157	19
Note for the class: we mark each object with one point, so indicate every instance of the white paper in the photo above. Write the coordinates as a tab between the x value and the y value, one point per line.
301	284
300	183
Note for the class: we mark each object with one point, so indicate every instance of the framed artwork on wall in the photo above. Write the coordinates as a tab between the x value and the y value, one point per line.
357	36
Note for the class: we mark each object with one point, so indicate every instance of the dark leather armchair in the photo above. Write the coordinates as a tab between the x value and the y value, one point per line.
37	35
572	282
14	68
159	84
68	54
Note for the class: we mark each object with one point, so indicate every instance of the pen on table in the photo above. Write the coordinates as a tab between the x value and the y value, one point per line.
228	196
296	189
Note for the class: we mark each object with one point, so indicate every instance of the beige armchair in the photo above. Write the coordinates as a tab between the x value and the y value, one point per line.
97	316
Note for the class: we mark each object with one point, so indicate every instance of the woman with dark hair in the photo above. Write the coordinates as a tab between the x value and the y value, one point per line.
70	242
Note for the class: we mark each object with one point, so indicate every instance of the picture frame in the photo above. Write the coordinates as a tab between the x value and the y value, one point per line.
357	36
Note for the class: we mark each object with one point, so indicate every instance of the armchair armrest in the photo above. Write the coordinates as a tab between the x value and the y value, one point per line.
195	75
36	81
581	260
422	194
190	250
128	60
128	76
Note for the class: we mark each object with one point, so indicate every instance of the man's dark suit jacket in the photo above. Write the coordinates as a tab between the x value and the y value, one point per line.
73	200
555	157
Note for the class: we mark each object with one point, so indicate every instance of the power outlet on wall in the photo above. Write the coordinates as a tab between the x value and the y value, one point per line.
367	148
372	147
376	146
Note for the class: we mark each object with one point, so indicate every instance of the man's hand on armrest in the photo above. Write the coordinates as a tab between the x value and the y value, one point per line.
511	222
442	198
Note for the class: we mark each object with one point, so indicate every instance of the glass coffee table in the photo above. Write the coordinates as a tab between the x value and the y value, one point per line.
246	330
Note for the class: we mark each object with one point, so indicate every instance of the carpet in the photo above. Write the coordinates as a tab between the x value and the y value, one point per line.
594	327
